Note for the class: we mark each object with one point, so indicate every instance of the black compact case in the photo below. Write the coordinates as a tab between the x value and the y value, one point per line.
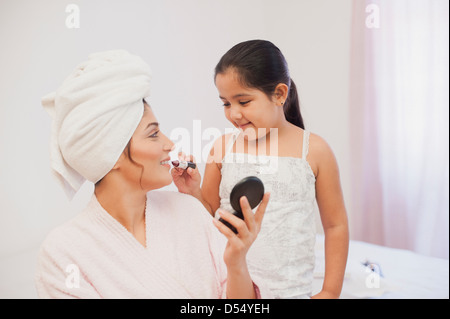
250	187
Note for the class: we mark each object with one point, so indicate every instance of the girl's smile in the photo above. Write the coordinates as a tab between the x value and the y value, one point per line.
244	126
248	108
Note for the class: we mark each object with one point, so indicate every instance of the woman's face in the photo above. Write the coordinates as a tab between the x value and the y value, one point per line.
149	148
246	108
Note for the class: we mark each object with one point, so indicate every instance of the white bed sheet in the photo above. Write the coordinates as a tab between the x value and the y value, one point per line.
406	274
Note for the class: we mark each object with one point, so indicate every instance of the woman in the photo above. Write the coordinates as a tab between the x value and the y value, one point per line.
131	241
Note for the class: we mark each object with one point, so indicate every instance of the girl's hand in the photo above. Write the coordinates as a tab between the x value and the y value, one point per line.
248	229
187	180
325	295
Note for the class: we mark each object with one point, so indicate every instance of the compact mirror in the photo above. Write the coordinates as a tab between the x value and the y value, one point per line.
250	187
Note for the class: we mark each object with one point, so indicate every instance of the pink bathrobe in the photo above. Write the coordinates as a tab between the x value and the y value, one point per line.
94	256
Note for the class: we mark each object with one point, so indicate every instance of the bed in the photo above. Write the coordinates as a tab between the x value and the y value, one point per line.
372	272
375	271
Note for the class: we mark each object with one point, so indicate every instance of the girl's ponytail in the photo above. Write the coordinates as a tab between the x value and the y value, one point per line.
292	107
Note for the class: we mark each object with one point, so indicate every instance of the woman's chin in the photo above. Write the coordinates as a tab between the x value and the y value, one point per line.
160	183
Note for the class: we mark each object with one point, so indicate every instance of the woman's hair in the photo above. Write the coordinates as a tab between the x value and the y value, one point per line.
261	65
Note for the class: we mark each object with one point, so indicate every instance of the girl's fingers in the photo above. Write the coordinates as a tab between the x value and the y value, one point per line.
176	171
182	156
189	158
192	172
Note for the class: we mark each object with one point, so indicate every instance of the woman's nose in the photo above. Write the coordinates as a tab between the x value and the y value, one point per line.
168	144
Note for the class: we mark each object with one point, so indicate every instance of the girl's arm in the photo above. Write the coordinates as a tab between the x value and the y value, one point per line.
333	216
188	181
213	175
210	187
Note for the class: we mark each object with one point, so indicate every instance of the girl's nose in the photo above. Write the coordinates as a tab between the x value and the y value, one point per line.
235	113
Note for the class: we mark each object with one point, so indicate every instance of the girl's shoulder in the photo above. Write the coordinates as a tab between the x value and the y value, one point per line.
320	153
318	144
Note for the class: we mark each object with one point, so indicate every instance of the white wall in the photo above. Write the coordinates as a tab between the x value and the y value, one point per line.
182	40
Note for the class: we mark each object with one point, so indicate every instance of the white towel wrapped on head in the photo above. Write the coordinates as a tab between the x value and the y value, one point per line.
95	112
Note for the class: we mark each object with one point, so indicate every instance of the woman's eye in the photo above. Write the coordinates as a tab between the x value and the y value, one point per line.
154	134
226	104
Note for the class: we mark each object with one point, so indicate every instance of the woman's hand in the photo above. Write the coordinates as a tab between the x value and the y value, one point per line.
248	229
187	180
239	283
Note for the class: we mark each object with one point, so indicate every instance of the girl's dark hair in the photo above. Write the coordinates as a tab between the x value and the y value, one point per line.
261	65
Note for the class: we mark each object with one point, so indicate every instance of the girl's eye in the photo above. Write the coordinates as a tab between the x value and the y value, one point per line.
154	134
241	103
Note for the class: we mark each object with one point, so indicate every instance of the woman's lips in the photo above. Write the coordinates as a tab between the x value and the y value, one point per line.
166	163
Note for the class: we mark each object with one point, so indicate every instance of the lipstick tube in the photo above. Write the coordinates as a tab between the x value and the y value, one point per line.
183	164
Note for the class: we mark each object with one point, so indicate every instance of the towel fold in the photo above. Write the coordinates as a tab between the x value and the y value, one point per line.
95	112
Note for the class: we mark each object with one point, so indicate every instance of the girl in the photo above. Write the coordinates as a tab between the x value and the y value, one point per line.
130	241
260	99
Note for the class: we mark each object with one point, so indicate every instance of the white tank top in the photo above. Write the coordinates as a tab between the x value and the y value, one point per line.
283	253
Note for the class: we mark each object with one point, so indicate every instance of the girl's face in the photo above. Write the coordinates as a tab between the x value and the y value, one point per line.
248	109
149	148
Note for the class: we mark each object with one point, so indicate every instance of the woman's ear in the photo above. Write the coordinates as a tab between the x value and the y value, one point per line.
119	161
281	93
124	156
